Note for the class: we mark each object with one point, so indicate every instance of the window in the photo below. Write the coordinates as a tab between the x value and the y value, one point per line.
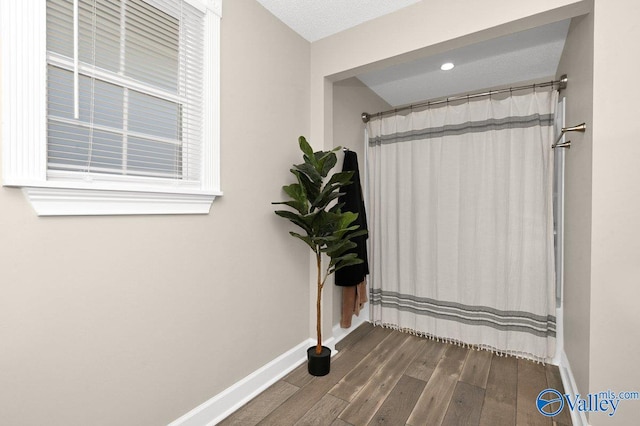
121	117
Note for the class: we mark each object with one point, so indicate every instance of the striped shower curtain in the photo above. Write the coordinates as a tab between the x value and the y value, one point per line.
461	227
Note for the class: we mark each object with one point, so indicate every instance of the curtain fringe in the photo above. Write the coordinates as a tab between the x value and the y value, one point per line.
466	345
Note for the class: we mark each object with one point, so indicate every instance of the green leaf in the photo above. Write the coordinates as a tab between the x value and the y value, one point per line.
346	260
325	161
324	199
343	178
326	223
327	229
310	172
344	233
336	208
304	238
337	249
331	190
295	218
305	147
297	205
347	219
308	156
358	233
311	189
297	193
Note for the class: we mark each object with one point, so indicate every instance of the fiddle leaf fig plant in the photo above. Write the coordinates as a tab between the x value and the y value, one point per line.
326	229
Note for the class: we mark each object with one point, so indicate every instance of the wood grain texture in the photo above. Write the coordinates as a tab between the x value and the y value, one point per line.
299	377
371	340
355	336
398	406
297	405
366	403
555	382
465	406
436	383
425	363
532	380
259	407
324	412
340	422
499	407
356	379
434	400
476	369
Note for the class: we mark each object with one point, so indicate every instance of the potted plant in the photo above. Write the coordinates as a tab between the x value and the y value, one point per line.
326	229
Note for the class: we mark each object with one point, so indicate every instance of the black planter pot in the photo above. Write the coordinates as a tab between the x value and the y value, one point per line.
319	365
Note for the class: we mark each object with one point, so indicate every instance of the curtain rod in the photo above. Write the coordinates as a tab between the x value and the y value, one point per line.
562	84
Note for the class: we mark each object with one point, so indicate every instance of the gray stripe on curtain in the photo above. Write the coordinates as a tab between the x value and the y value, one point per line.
483	315
468	127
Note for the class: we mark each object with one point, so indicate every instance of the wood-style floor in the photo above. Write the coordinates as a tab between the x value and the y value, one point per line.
387	377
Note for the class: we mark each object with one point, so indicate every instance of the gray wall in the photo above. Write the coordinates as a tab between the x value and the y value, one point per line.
603	205
615	231
137	320
350	99
577	63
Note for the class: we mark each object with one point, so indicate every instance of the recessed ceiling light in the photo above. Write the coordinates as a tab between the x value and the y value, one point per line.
447	66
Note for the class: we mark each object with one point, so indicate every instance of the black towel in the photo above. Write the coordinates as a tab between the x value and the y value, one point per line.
354	202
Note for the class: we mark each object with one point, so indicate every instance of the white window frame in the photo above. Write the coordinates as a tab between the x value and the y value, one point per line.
23	115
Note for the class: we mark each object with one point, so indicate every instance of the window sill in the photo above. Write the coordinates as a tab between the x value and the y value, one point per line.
53	201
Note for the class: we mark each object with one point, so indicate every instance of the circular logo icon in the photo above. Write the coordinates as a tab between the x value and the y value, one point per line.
549	402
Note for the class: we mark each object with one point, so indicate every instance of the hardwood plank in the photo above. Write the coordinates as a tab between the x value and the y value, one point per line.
302	401
259	407
476	369
398	406
555	382
300	376
363	407
531	381
371	340
509	397
499	407
355	336
356	379
422	367
324	412
465	406
434	400
340	422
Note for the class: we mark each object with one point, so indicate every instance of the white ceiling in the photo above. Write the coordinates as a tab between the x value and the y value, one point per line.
316	19
521	57
528	55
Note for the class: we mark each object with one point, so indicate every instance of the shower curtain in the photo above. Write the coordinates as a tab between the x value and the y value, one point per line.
461	225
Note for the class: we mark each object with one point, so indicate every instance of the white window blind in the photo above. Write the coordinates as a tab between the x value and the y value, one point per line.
125	92
111	107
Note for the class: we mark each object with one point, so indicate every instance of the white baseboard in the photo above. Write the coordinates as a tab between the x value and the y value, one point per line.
570	387
340	333
226	402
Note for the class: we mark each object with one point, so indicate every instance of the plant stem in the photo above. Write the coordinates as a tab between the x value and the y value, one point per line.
318	305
